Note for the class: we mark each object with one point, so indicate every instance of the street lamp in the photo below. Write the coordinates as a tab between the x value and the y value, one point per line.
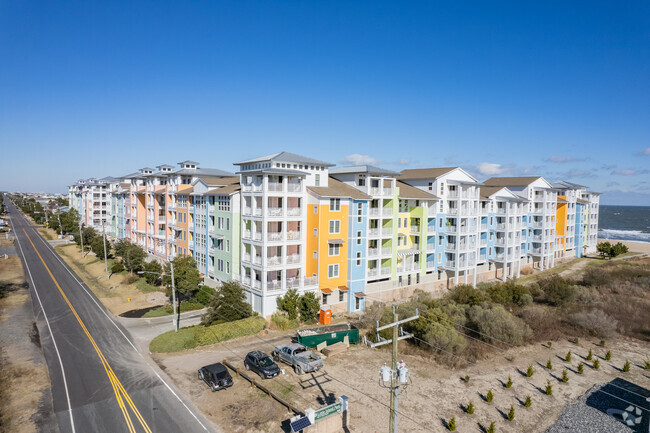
175	320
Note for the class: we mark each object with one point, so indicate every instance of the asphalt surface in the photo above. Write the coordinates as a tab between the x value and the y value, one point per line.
101	380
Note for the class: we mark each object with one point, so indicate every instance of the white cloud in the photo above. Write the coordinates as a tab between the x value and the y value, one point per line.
358	159
625	172
563	159
644	152
403	161
490	169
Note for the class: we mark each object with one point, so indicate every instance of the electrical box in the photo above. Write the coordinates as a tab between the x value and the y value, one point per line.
386	373
403	375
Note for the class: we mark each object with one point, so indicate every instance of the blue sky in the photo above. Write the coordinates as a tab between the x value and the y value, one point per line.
554	88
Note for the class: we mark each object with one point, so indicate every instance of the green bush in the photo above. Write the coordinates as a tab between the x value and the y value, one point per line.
509	293
530	371
290	303
549	388
626	366
528	402
576	340
117	268
602	343
646	363
470	408
596	364
608	355
567	358
466	294
309	307
152	272
581	368
498	323
491	428
590	355
466	379
451	425
204	295
509	382
282	322
189	338
511	414
436	328
549	364
565	376
489	396
557	290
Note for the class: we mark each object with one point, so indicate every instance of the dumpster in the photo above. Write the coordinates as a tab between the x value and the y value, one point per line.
325	314
328	334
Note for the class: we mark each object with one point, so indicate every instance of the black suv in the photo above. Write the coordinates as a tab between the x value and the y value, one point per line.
216	376
262	364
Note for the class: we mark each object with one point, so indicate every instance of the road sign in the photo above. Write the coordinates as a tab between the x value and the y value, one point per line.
326	411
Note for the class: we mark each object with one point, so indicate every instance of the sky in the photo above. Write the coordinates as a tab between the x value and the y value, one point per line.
502	88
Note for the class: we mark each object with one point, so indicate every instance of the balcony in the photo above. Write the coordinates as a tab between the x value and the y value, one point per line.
501	226
275	186
274	261
450	246
273	284
251	188
274	236
451	229
387	192
246	257
373	232
293	236
386	232
258	212
293	259
374	211
246	234
500	241
431	265
483	242
452	211
431	229
501	211
294	211
257	236
500	256
387	212
247	211
373	252
431	246
450	264
415	230
294	187
274	212
385	270
387	251
409	267
257	260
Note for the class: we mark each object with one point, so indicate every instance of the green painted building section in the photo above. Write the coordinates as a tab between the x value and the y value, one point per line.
227	233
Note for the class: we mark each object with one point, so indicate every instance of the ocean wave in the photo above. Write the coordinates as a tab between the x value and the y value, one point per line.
624	235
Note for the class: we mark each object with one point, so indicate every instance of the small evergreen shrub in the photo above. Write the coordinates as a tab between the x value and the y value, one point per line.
549	344
467	379
626	366
470	408
646	364
567	358
590	355
581	368
116	268
509	382
549	388
528	402
491	428
608	355
530	371
565	376
489	396
451	425
511	414
576	340
549	364
596	364
602	343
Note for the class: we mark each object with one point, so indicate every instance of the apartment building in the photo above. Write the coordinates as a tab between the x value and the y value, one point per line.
350	234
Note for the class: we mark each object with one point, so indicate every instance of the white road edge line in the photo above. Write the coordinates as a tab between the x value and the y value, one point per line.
118	328
65	383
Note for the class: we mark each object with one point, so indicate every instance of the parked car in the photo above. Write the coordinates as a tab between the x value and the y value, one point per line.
297	356
262	364
216	376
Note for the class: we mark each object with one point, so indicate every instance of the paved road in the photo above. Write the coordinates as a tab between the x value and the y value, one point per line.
101	381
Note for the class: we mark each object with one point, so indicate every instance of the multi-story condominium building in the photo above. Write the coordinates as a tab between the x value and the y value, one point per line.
350	234
273	225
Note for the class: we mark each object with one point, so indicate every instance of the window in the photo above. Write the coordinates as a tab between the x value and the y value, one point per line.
359	238
358	258
357	303
315	255
228	267
315	209
227	246
315	232
334	250
317	180
325	298
335	204
333	271
220	223
335	227
430	186
227	223
340	295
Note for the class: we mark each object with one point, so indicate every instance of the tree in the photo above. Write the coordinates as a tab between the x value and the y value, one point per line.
186	276
97	246
153	271
289	303
69	221
121	246
604	248
133	258
228	304
618	249
608	250
309	307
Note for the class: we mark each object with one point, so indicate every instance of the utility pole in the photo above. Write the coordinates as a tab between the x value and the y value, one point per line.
105	252
397	376
81	236
175	321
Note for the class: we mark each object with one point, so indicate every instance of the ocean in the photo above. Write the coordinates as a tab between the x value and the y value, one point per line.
624	223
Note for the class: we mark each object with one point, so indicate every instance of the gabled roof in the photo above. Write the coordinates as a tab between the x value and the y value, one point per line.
164	166
425	173
218	180
563	184
201	171
337	188
109	179
225	190
273	170
581	201
189	162
511	181
367	169
486	192
408	191
285	157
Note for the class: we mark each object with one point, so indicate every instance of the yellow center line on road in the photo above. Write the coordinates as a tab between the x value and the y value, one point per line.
120	393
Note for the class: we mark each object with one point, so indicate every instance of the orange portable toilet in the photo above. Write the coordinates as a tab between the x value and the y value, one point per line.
325	314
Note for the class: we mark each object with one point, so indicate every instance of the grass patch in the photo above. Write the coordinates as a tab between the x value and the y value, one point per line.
189	338
166	310
142	285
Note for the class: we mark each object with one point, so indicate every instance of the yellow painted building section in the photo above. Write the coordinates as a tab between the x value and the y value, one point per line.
321	244
560	222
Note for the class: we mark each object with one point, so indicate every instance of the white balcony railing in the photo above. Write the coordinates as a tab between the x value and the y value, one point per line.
294	211
374	211
275	186
274	211
293	236
274	236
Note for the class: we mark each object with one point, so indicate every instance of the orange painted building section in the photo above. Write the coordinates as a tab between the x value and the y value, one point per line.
560	222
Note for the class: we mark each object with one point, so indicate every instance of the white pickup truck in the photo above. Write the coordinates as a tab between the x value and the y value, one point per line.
297	356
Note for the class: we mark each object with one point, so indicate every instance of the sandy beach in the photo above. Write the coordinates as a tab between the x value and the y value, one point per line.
635	247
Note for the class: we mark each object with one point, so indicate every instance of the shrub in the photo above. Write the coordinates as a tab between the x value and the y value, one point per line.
595	322
191	337
491	428
204	295
596	277
509	293
549	364
626	366
565	376
499	324
289	303
451	425
509	382
489	396
470	408
282	322
528	402
596	364
567	358
466	294
549	344
228	303
608	355
436	328
581	368
576	340
557	290
466	379
117	268
309	307
530	371
152	272
602	343
549	388
525	299
646	363
511	414
590	355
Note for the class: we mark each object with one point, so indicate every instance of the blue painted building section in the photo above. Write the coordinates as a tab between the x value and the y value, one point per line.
357	263
580	227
